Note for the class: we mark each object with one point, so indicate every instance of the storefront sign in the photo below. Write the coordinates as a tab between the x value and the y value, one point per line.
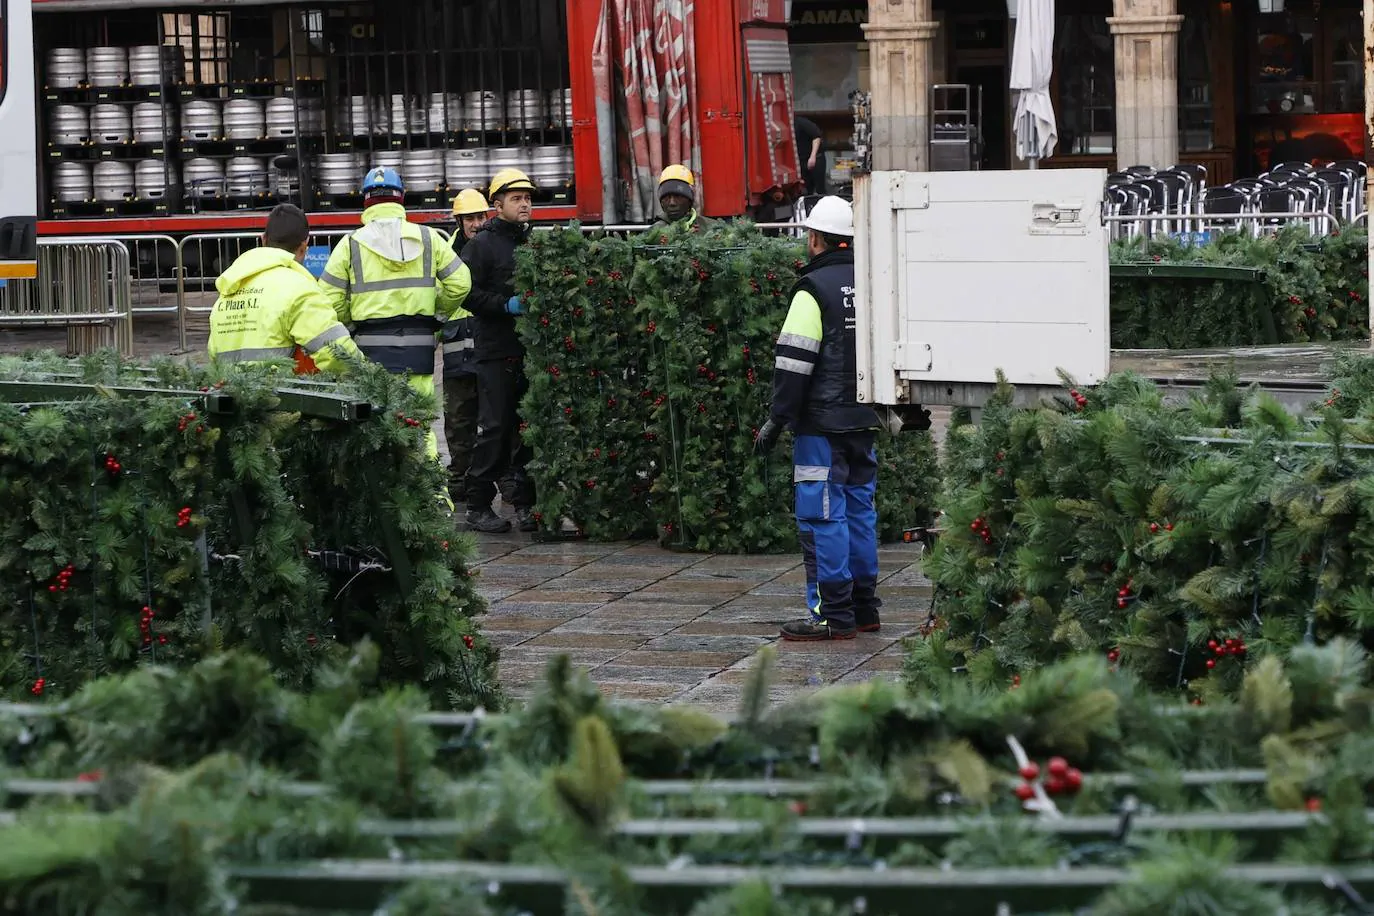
827	20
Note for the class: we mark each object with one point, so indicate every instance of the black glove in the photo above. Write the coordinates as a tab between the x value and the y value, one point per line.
767	438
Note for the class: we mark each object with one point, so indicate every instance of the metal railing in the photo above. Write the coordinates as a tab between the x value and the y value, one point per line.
84	285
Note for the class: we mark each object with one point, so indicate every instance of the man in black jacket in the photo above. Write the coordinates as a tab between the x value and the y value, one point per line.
500	456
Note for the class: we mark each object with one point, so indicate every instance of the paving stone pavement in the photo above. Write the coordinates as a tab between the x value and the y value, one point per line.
655	625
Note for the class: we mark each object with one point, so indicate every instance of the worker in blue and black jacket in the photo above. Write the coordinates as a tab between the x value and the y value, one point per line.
835	461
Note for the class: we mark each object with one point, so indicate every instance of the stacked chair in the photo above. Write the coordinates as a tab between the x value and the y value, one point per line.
1146	201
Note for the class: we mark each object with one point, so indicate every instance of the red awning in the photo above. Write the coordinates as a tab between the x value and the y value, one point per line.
773	162
644	61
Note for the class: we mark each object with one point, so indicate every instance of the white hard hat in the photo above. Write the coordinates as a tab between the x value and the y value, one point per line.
832	216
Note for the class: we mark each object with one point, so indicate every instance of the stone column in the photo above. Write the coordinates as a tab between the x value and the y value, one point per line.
899	34
1146	36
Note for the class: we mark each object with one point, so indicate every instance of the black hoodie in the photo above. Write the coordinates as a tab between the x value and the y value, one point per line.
490	257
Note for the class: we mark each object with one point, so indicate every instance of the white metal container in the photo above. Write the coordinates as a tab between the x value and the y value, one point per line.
408	115
508	157
445	112
147	64
201	120
203	178
113	180
149	120
152	178
423	168
551	165
286	116
245	176
66	67
71	182
107	66
560	108
244	119
338	173
483	110
387	159
280	117
69	125
111	124
525	109
466	168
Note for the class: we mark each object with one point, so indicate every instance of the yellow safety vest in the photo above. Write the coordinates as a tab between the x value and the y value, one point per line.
392	280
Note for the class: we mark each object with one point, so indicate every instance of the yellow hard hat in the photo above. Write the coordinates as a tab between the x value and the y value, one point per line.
510	180
678	173
677	179
470	202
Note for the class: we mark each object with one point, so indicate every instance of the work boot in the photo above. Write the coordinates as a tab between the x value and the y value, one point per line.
487	521
811	631
867	621
524	518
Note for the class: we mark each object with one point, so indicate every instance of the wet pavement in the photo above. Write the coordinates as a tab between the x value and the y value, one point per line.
655	625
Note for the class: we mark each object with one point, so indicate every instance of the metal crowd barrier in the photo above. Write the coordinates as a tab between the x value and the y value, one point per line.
84	285
155	275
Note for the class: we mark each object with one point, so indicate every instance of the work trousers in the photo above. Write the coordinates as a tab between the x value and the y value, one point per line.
836	477
460	428
500	455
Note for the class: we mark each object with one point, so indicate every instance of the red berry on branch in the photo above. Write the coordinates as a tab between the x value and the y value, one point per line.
1055	785
1212	644
1113	655
1074	779
1058	766
467	641
1211	663
1121	602
1154	528
1025	791
1169	526
1314	805
1029	772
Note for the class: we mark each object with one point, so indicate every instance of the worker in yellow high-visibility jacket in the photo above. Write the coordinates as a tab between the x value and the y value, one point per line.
270	306
394	281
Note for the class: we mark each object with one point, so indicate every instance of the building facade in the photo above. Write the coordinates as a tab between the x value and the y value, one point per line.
1136	82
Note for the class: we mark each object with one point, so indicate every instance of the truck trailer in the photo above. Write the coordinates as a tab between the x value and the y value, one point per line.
132	117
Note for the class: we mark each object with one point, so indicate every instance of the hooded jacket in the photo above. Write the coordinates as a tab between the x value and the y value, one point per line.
268	305
490	255
393	280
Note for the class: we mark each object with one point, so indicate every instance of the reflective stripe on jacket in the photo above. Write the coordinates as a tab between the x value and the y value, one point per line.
459	335
269	305
815	379
393	280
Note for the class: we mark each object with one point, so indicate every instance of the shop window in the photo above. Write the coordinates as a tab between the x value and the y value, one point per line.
1085	62
1196	111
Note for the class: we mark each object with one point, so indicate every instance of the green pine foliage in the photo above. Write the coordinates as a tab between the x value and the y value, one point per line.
650	363
1151	534
1307	291
152	530
164	831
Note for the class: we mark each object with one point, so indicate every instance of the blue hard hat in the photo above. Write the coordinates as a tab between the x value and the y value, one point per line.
382	179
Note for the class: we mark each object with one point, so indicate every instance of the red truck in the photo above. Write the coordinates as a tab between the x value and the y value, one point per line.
194	118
